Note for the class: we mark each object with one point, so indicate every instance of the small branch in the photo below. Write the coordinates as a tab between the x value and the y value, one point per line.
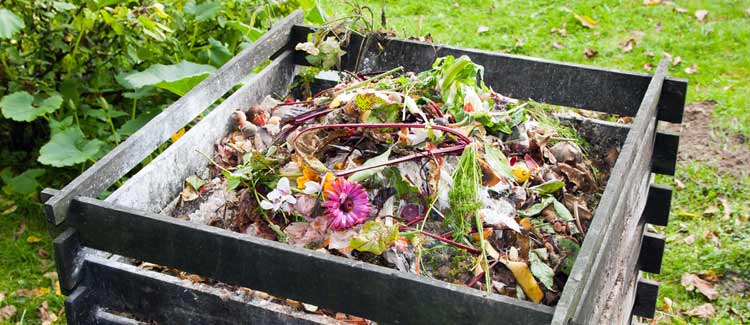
479	276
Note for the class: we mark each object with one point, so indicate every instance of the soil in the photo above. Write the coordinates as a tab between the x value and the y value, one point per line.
702	142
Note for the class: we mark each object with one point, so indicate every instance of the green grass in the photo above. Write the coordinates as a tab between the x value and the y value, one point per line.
719	47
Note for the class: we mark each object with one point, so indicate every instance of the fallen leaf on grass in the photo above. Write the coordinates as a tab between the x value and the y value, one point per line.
701	15
20	231
681	10
586	21
727	209
651	2
482	29
691	69
648	66
667	306
667	55
562	31
45	315
705	311
628	45
649	54
677	60
558	45
7	312
679	184
589	53
42	253
692	282
712	236
33	239
710	211
2	296
689	240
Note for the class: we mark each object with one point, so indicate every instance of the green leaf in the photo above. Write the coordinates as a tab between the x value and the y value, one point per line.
218	54
67	148
548	187
63	6
195	182
56	126
497	161
204	11
10	23
570	248
561	210
542	271
536	208
177	78
316	15
25	183
252	33
375	237
19	106
362	175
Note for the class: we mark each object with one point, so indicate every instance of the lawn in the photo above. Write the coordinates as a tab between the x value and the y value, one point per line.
709	231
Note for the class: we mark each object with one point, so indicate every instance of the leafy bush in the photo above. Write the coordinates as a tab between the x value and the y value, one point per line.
80	76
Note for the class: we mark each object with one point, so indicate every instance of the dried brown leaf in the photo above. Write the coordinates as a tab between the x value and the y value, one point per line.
21	229
651	2
689	239
705	311
679	184
589	53
649	54
691	69
562	31
7	312
586	21
676	61
558	45
482	29
727	209
681	10
667	306
691	282
45	315
710	211
648	66
712	236
627	46
701	15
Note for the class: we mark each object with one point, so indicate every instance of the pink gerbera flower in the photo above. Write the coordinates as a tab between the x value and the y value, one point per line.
347	204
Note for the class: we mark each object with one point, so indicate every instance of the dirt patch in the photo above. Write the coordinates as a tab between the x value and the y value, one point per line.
709	145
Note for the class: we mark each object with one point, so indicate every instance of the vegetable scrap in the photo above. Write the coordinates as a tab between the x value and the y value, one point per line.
431	173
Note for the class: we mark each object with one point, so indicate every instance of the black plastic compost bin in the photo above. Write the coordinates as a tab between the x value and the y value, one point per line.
94	236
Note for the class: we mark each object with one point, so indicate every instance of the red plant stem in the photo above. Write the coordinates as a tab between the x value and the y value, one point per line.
308	116
445	240
480	276
454	149
411	223
299	102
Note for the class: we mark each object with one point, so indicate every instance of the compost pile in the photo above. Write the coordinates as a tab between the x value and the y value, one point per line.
431	173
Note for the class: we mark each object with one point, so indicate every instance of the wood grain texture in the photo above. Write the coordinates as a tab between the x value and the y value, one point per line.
332	282
154	186
597	279
138	146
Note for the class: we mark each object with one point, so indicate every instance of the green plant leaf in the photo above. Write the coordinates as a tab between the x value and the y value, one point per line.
19	106
497	161
561	210
10	23
362	175
536	208
548	187
541	271
218	54
375	237
67	148
177	78
25	183
204	11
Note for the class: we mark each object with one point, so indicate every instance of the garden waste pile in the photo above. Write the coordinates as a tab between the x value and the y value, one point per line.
431	173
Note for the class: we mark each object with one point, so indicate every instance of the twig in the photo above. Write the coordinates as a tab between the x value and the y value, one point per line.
481	275
578	219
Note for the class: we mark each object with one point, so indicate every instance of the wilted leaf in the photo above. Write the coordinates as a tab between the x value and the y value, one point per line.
68	148
497	161
648	66
10	23
558	45
548	187
692	282
586	21
541	271
689	239
727	209
680	10
482	29
677	60
19	106
562	31
302	233
701	15
589	53
628	45
362	175
693	68
45	315
33	239
651	2
705	311
710	211
524	278
177	135
375	237
177	78
7	312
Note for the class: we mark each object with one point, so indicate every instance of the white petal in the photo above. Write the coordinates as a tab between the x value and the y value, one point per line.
265	205
492	217
311	188
275	195
283	185
291	199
